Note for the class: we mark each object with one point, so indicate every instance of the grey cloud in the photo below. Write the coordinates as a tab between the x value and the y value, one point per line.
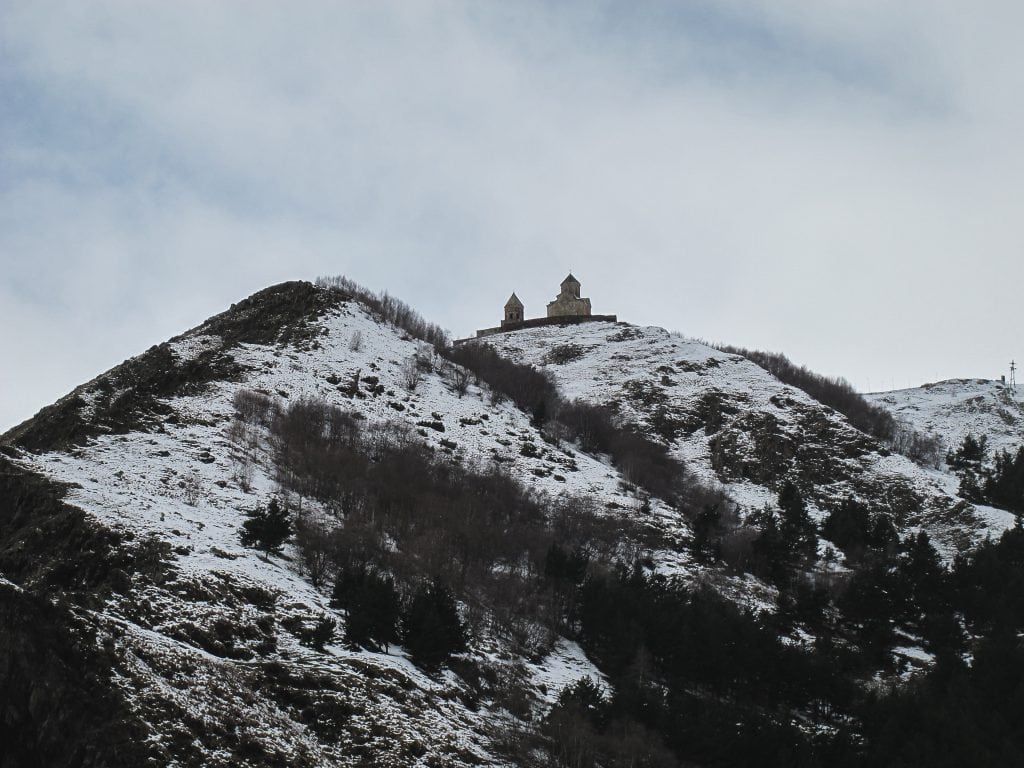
833	180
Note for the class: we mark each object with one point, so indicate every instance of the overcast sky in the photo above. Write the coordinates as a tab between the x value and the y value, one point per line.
839	181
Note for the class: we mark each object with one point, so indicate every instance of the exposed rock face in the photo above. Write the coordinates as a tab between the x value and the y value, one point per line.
57	707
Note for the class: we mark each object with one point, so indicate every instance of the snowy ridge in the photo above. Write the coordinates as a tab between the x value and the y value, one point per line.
653	376
956	408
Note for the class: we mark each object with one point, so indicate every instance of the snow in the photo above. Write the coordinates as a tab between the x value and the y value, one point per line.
563	667
615	361
188	347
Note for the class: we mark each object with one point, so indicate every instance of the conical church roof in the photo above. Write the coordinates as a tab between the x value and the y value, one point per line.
513	301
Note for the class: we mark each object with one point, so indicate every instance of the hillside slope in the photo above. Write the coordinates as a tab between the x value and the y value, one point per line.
956	408
207	638
732	422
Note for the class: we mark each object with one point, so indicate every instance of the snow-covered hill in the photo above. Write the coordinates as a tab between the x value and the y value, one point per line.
204	658
956	408
125	500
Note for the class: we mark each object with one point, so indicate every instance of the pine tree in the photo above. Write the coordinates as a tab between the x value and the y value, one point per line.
798	530
432	630
267	528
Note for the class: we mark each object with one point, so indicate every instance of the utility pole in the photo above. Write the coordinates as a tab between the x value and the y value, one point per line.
1013	376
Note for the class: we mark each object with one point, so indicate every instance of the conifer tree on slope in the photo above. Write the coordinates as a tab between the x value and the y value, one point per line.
267	528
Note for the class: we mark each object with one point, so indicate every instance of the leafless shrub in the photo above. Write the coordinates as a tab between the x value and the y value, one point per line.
356	342
410	374
925	449
192	489
460	378
314	541
563	353
243	471
252	407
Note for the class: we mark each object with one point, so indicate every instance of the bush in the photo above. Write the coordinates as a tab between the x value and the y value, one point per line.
319	634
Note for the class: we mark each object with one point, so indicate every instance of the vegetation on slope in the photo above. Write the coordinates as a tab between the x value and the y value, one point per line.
694	678
60	707
998	483
597	429
836	393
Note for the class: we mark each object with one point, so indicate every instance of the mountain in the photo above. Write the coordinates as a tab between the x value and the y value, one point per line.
140	630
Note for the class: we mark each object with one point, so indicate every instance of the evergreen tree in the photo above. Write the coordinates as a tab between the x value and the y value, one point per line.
431	627
319	634
849	527
970	454
883	538
267	528
769	553
798	530
707	543
372	608
1004	486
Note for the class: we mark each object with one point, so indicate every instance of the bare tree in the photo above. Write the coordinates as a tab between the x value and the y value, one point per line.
411	374
460	379
314	544
356	342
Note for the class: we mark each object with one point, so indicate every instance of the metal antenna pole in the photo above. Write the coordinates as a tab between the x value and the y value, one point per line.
1013	375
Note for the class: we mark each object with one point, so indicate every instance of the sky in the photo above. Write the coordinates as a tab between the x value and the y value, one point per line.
836	180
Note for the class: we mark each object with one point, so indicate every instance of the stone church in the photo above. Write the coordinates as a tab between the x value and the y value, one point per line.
567	308
568	302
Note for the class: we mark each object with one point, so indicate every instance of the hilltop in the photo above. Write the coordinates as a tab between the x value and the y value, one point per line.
956	408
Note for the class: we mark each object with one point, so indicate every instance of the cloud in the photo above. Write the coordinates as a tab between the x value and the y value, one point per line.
835	180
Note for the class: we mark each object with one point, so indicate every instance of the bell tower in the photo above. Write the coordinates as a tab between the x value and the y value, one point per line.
513	311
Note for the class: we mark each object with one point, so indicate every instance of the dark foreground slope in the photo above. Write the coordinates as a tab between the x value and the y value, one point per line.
58	704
